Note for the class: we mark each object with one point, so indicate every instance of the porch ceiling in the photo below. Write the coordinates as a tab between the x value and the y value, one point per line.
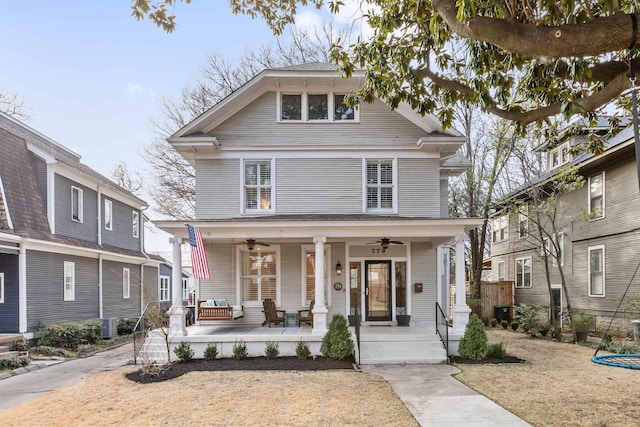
303	228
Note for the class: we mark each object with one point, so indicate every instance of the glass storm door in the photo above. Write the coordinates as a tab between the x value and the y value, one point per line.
377	290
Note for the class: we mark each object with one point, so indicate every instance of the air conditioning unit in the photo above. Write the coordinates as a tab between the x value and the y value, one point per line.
109	327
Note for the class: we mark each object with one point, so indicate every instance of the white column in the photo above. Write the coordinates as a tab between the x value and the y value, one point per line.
177	314
320	308
461	310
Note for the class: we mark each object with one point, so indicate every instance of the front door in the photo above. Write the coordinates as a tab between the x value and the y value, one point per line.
377	287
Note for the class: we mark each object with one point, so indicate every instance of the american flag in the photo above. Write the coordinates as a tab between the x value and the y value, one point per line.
199	264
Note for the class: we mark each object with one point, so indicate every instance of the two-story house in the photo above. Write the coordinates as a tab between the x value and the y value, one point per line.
597	229
71	240
300	197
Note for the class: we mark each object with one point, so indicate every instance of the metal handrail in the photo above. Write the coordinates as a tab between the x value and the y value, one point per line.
442	328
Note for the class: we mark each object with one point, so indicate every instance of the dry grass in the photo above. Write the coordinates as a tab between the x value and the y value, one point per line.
558	386
265	398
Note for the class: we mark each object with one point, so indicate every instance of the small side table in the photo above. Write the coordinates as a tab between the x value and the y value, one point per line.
293	316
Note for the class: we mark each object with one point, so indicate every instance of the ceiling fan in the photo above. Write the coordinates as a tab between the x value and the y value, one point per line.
385	242
251	243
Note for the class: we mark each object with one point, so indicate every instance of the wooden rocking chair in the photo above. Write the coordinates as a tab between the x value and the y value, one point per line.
308	317
271	315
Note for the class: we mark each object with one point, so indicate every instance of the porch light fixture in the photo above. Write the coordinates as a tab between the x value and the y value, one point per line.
338	268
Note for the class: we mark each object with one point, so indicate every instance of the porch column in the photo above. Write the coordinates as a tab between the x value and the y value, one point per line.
320	308
460	310
177	314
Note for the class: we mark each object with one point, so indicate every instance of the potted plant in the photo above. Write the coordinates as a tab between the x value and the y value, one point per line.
403	319
581	324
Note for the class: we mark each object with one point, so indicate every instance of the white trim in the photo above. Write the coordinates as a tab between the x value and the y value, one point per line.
589	250
5	205
80	204
589	196
135	223
1	288
108	222
51	198
168	280
379	186
328	273
22	288
515	272
238	262
72	275
126	283
85	252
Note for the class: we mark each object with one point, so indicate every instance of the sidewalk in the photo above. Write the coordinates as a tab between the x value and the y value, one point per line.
436	399
47	376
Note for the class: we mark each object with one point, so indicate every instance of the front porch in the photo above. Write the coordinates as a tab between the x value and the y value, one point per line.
379	344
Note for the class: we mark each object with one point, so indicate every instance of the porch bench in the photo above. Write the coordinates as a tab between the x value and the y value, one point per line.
208	311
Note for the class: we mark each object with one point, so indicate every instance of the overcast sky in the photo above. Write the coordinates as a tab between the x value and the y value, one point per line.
91	76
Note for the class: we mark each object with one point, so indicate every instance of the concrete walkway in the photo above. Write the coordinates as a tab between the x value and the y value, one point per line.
436	399
27	386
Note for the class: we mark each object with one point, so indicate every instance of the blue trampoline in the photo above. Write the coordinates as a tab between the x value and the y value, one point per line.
629	361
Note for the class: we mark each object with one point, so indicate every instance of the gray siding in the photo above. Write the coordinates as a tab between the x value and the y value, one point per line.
121	233
218	190
150	284
378	125
9	310
65	226
114	305
319	186
45	289
419	187
423	270
444	198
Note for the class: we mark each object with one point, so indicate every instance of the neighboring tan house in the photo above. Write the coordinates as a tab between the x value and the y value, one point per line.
71	240
289	178
598	229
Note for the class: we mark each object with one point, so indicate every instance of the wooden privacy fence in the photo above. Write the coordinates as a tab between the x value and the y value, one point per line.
496	293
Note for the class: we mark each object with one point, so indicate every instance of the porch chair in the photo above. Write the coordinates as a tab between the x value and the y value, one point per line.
271	315
308	317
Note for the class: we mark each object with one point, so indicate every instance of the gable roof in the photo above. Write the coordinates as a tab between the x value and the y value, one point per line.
272	80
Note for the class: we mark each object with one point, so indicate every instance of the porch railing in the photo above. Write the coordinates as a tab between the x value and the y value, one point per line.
442	328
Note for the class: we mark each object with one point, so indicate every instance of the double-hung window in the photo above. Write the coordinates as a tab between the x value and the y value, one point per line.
185	289
259	271
502	273
76	204
379	179
108	214
309	274
596	271
126	283
258	186
523	272
523	222
596	196
135	222
69	281
555	249
164	288
500	228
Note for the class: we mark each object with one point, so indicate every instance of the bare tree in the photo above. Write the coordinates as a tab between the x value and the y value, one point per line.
131	182
12	105
173	188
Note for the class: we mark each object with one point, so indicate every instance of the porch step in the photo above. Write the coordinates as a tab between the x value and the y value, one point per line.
392	352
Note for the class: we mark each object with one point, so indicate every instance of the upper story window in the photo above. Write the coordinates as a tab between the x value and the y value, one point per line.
164	288
502	273
523	272
559	156
108	214
315	107
258	186
500	228
126	283
135	221
76	204
523	222
596	196
555	250
69	281
596	271
379	182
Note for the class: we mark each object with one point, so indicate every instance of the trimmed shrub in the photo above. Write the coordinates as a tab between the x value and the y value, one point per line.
13	362
529	316
302	350
240	350
211	352
504	324
494	322
271	350
514	326
184	351
496	351
51	351
337	343
126	325
70	335
473	344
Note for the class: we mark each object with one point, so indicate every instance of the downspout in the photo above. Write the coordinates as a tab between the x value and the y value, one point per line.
142	249
99	216
100	301
22	289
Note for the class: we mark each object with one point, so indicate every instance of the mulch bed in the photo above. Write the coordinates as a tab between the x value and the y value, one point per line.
457	360
177	369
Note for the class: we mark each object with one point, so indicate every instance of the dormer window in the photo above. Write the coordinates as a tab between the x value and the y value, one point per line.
314	107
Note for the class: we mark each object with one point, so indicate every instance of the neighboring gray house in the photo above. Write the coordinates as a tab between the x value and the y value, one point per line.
599	231
300	197
71	240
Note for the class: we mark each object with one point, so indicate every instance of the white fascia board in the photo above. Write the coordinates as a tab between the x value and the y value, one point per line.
61	248
5	205
428	122
90	182
10	237
449	144
48	158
